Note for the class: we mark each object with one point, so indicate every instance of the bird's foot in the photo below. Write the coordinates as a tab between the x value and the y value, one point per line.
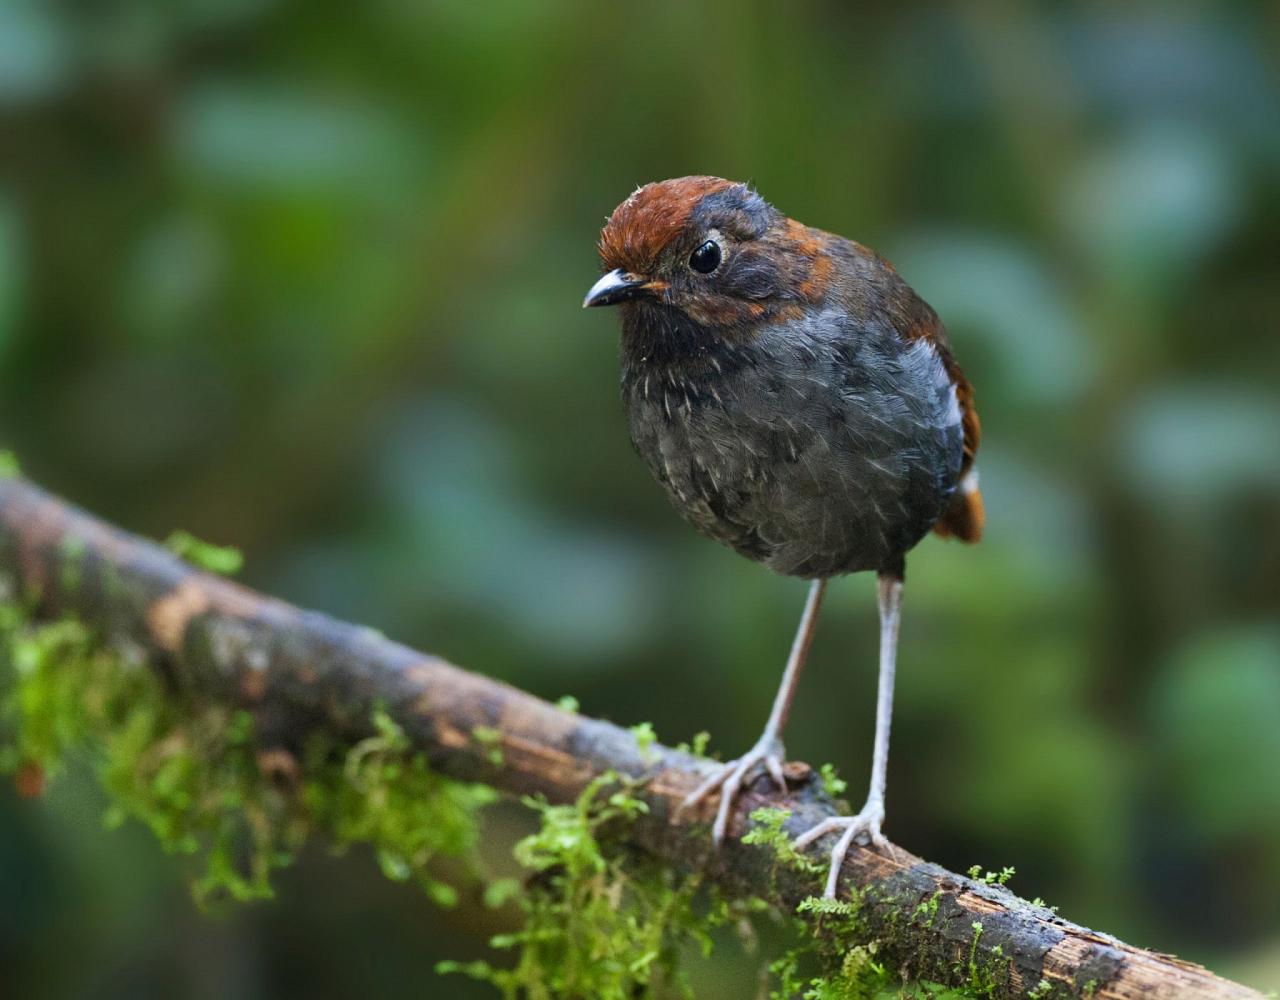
864	827
729	778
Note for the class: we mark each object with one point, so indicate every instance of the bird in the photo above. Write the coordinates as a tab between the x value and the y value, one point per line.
799	403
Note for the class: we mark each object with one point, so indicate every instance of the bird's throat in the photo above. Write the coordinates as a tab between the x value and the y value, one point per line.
657	336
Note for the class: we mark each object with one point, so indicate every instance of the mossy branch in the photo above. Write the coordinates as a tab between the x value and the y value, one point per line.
302	674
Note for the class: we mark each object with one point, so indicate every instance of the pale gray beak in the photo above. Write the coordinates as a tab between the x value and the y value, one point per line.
616	286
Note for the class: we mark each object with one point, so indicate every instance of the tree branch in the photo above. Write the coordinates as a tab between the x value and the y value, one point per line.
300	670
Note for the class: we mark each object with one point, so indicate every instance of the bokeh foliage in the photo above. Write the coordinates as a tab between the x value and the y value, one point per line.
303	277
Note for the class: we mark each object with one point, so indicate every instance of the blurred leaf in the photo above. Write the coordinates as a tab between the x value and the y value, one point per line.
1140	64
466	526
1217	719
1039	550
12	267
577	592
1147	208
288	138
35	51
1200	443
207	14
176	271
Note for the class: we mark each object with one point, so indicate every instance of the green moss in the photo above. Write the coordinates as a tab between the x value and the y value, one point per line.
983	975
382	795
832	783
821	906
222	559
927	912
645	739
999	878
599	921
491	740
191	772
697	746
767	832
71	563
191	777
833	957
9	468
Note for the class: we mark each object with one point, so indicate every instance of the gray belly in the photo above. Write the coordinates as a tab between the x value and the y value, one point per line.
823	459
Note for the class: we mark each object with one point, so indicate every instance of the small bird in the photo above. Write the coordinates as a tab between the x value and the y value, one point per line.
798	402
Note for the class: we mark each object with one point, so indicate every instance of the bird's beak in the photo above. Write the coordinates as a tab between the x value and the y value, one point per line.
616	286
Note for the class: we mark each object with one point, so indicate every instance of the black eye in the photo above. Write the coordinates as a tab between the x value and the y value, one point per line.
706	258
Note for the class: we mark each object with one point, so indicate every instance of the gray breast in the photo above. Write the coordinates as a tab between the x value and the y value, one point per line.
817	449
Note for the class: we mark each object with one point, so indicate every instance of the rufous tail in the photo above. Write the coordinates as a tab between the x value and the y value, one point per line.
965	517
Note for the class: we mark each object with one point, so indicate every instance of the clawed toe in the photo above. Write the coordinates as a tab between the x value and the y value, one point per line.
729	779
865	826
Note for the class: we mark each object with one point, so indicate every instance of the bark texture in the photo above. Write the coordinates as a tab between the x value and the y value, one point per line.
299	670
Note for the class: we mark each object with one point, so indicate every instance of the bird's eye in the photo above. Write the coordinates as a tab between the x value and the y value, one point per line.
706	258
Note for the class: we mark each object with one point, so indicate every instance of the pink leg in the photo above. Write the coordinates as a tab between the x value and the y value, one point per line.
768	749
868	821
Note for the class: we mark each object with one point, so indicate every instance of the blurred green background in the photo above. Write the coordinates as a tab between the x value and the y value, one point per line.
305	278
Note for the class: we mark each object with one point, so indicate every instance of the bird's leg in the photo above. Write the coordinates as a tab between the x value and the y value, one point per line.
867	822
768	749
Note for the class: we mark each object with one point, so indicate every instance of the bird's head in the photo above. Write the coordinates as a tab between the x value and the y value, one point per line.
712	250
